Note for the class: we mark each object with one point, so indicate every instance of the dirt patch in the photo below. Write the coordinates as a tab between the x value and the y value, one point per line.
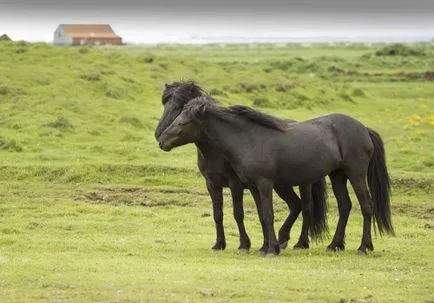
398	76
136	196
408	183
414	210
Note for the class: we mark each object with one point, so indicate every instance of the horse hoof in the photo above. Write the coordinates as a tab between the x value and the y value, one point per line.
361	252
335	248
301	246
219	246
270	255
262	252
243	250
283	245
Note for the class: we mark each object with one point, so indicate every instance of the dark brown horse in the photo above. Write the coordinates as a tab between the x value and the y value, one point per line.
218	174
265	152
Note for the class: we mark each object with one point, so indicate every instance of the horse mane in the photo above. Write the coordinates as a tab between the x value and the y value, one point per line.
181	92
198	106
259	117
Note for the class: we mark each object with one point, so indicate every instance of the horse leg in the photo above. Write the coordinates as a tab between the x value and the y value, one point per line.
339	185
294	203
265	189
258	204
237	190
216	193
367	207
307	205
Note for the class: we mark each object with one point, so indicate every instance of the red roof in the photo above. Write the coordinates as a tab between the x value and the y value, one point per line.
89	30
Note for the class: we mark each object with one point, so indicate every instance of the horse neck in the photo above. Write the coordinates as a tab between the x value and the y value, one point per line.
205	148
229	136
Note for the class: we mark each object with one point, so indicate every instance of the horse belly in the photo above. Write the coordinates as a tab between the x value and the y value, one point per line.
308	165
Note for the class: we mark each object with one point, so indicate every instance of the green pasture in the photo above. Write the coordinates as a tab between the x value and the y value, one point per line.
91	210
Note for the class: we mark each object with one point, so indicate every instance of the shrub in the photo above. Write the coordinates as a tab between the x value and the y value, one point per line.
91	76
346	97
4	90
399	50
148	59
21	50
134	121
61	123
84	49
262	102
217	92
115	92
335	69
301	97
283	87
357	92
249	88
10	145
164	66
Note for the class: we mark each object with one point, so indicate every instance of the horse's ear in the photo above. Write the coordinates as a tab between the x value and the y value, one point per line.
203	108
198	109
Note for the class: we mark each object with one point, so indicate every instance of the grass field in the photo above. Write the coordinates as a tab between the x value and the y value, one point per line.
92	211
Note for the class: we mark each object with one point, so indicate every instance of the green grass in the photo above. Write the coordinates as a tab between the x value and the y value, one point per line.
92	211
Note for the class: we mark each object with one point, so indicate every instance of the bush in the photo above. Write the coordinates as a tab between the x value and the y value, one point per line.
346	97
400	50
262	102
115	92
217	92
10	145
357	92
335	69
134	121
4	90
84	49
21	50
91	76
61	123
148	59
283	87
250	88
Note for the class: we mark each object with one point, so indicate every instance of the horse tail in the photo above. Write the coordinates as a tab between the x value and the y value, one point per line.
379	185
318	223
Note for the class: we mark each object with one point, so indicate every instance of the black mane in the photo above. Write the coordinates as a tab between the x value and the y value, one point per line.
198	106
260	118
182	92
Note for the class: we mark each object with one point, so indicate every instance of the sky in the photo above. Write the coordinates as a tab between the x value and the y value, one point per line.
156	21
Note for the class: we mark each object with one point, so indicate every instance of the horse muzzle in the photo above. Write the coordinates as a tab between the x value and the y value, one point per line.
164	147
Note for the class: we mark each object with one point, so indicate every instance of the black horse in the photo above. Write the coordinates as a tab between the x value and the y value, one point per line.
266	151
218	174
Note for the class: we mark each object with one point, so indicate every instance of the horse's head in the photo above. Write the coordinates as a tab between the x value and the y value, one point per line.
175	96
186	128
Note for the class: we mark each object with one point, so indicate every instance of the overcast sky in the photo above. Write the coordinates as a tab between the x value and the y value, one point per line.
177	20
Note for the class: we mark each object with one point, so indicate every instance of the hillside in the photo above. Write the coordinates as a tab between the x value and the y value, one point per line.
64	107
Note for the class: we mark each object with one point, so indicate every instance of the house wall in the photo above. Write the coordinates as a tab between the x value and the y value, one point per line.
96	40
60	37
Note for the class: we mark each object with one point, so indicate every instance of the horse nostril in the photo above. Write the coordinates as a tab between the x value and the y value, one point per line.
157	135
